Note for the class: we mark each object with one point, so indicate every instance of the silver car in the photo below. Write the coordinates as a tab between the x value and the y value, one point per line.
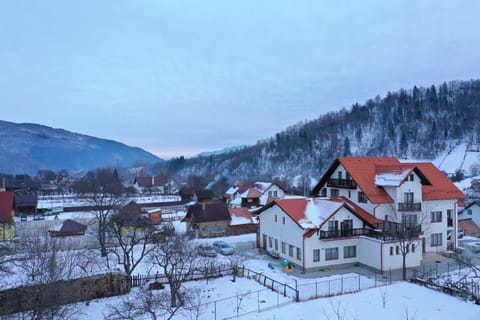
206	250
223	248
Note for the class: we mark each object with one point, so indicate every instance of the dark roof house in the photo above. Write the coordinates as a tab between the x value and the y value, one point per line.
67	228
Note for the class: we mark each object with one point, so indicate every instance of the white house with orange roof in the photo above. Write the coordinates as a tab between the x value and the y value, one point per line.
409	193
315	233
253	195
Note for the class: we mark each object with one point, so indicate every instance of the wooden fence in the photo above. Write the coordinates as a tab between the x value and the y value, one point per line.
205	273
274	285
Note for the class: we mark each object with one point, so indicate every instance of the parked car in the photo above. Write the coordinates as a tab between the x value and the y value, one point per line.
206	250
223	248
460	233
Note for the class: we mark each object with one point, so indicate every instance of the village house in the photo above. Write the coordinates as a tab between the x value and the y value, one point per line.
469	219
253	195
150	184
208	219
315	233
241	221
410	193
365	210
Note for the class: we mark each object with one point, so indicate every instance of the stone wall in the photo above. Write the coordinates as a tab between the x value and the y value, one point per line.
62	292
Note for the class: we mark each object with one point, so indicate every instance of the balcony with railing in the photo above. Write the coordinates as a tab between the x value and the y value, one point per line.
409	206
392	231
341	183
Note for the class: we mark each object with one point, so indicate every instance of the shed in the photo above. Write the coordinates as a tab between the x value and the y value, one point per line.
67	228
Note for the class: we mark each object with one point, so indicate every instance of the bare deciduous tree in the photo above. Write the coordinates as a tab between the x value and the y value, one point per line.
134	235
103	190
177	258
47	260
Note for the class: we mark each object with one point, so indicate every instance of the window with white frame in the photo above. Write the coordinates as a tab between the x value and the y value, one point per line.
276	244
275	194
331	254
283	220
349	251
299	254
436	239
316	255
290	250
270	239
323	193
284	247
436	216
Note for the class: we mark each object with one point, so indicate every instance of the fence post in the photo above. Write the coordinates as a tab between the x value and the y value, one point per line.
258	301
316	289
329	287
359	287
215	309
341	288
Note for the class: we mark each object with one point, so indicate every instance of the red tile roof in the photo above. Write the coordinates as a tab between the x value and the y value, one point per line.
7	205
357	210
151	181
252	193
240	213
296	208
469	227
436	185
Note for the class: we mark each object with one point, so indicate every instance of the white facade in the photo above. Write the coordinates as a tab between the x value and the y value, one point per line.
281	235
439	234
471	212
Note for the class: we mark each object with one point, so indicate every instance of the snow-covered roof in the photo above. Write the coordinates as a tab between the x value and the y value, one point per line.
391	179
231	190
316	211
263	186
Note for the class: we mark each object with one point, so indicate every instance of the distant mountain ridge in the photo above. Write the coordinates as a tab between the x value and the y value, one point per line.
27	148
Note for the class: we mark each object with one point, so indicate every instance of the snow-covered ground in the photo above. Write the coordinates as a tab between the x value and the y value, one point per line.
458	159
48	202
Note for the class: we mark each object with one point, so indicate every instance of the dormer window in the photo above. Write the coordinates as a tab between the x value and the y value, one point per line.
412	177
339	175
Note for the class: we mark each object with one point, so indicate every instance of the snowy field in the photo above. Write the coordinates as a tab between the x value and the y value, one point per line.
402	301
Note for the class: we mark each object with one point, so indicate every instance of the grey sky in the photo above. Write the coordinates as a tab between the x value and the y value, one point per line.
181	77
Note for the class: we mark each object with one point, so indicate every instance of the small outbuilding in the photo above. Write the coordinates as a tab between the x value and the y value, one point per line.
67	228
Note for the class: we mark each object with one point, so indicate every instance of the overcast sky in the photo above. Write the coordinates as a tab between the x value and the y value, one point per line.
181	77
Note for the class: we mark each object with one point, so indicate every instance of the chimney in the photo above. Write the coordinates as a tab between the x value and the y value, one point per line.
153	181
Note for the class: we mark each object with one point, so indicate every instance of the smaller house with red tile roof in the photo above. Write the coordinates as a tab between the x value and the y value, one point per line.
315	233
253	195
208	219
242	221
7	212
470	212
409	193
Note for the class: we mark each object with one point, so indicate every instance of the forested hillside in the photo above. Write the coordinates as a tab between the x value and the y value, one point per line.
417	123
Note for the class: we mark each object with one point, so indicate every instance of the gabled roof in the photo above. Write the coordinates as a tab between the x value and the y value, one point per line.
68	227
469	227
150	181
311	213
131	208
372	174
208	212
240	216
251	193
474	203
205	194
7	205
22	200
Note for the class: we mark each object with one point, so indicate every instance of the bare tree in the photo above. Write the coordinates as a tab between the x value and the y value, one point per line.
102	190
46	261
177	259
155	305
406	232
385	295
133	234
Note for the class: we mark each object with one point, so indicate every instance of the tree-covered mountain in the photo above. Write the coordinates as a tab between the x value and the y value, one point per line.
27	148
419	123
